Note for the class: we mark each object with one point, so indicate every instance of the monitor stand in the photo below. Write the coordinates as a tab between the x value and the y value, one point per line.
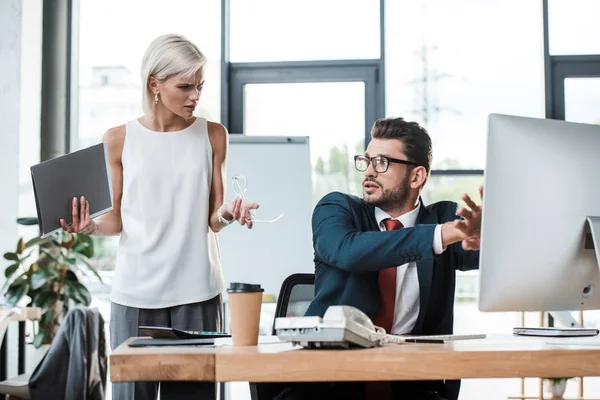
574	328
594	241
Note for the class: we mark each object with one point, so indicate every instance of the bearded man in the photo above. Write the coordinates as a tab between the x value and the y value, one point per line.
390	255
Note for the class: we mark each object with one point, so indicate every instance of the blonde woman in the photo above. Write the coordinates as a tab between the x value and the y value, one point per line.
168	171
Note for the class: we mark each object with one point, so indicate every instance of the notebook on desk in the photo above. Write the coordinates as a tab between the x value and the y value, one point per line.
149	342
441	338
555	332
165	332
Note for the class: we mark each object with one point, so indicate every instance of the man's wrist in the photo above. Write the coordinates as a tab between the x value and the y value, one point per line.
438	247
450	234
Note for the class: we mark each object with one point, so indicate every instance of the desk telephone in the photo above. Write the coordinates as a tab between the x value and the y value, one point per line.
345	327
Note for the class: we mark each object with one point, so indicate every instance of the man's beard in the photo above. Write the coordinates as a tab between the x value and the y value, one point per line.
391	198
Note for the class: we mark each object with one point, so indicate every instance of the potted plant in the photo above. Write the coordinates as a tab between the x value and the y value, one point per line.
46	270
557	386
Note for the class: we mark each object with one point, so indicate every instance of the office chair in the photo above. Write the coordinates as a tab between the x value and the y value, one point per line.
295	295
79	346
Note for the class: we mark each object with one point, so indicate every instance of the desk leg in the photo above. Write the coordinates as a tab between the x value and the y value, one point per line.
188	391
3	357
222	390
21	347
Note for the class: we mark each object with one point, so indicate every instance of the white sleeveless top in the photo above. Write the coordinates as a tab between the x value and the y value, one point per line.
167	254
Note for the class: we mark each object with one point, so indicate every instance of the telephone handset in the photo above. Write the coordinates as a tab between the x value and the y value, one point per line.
340	327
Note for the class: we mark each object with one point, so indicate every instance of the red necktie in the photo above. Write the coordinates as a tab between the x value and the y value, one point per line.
385	316
387	287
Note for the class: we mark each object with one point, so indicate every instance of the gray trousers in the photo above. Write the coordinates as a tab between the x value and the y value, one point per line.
124	322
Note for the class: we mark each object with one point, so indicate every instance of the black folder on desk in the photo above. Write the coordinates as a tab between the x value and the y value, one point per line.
85	173
149	342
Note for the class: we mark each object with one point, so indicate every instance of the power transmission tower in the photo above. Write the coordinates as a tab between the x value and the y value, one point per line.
427	105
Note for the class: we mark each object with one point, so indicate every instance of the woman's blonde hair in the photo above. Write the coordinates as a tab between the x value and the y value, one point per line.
168	56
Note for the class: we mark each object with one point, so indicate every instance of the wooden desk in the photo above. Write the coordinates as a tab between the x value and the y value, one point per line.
27	313
494	357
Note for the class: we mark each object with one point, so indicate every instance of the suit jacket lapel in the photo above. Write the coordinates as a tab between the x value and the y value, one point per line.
424	271
371	214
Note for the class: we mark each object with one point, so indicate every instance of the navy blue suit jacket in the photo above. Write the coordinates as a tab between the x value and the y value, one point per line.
350	249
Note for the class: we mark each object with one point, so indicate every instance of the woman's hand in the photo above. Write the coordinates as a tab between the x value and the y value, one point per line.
80	218
240	211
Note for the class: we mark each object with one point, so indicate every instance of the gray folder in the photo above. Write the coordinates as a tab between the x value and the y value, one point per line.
81	173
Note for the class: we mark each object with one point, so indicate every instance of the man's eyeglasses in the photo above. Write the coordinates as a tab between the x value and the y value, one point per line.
380	163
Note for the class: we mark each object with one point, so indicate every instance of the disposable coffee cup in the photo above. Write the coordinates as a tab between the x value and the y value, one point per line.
245	300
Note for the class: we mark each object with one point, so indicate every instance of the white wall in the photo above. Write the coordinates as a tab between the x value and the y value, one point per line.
10	60
10	69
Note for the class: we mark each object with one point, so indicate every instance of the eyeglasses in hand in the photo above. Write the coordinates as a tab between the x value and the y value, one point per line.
240	185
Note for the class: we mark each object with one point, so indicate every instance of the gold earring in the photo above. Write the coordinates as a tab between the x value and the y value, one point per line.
156	98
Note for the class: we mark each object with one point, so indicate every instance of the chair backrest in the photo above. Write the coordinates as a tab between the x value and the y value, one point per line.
297	292
80	347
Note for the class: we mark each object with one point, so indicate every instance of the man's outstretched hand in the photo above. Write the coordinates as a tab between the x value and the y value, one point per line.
470	225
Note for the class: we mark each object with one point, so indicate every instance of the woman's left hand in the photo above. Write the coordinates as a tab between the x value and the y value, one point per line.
241	211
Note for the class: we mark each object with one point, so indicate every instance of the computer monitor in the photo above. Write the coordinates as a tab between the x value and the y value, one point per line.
542	182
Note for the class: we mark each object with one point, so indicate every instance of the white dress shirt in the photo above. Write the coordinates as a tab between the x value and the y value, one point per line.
406	308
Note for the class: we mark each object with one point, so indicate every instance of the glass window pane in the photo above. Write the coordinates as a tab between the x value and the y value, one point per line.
275	30
310	109
110	59
451	188
582	96
448	69
573	26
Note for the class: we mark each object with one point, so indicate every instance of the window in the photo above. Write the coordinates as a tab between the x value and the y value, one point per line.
451	187
274	30
581	98
448	66
110	59
573	26
449	69
332	114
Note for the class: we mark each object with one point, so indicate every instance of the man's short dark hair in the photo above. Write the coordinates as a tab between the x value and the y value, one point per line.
416	140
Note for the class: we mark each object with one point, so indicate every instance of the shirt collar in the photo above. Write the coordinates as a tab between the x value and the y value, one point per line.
408	220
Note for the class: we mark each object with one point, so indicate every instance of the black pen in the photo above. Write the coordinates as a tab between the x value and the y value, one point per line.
425	340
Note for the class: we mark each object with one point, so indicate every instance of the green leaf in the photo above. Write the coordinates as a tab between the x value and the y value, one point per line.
16	291
49	254
89	266
39	339
84	246
71	260
20	246
46	299
78	293
38	241
8	282
71	276
10	270
11	256
27	221
48	317
42	276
